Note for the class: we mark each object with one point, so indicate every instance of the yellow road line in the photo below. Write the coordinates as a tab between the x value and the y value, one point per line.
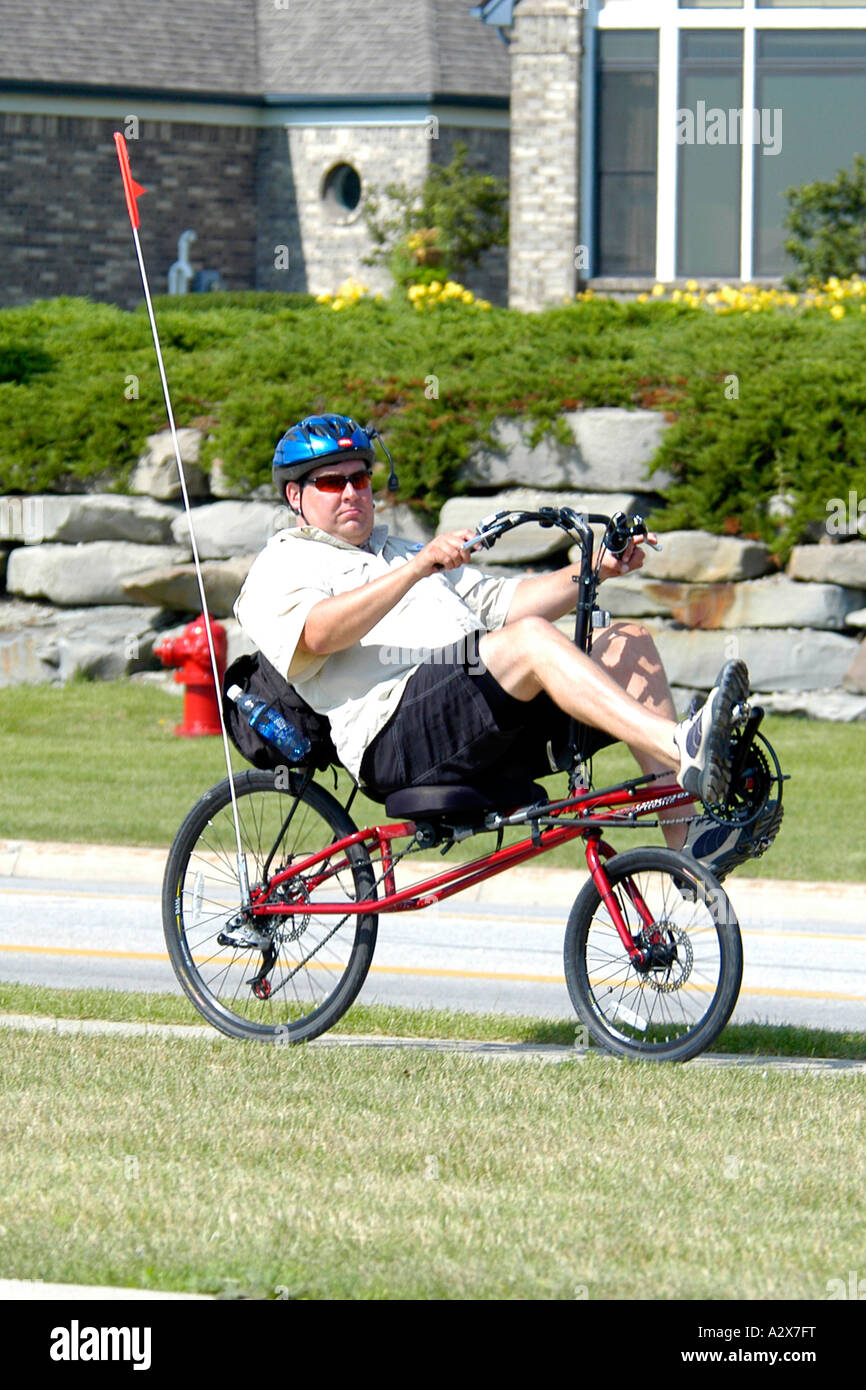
428	972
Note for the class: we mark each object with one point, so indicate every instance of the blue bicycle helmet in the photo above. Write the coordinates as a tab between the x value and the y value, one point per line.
319	439
325	439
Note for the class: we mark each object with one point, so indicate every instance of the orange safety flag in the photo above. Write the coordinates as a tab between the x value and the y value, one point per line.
132	189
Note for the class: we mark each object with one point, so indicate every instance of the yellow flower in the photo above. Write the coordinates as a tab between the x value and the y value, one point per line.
658	290
468	297
837	312
691	286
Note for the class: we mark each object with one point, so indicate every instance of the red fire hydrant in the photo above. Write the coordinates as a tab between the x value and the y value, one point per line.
191	654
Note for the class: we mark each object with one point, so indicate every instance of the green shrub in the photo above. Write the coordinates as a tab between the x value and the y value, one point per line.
244	371
438	229
828	222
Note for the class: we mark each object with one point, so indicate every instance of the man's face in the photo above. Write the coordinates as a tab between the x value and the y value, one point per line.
347	514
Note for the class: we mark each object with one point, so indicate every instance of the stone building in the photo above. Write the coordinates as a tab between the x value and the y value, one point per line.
257	124
646	140
653	140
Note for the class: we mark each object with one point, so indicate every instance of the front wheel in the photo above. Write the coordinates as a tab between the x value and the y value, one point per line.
285	977
678	999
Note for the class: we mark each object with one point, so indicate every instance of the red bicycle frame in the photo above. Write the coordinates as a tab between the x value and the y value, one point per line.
625	803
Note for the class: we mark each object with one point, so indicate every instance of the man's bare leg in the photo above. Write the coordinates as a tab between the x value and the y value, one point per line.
621	689
531	655
628	652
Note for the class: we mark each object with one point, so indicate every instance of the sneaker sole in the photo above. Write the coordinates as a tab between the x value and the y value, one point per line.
716	776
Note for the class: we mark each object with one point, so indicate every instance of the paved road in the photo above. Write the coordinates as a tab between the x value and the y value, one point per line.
805	949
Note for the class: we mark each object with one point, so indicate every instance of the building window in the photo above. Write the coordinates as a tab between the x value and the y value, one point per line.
626	144
341	193
811	4
711	4
813	85
709	133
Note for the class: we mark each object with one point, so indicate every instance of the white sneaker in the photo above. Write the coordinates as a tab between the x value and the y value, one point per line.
722	848
703	738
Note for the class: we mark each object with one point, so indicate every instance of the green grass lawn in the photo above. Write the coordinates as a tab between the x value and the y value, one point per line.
383	1020
298	1173
305	1173
99	762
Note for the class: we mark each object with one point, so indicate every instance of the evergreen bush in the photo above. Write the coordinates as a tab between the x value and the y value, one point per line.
244	367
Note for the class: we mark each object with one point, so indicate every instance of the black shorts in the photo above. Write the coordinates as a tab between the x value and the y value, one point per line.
455	725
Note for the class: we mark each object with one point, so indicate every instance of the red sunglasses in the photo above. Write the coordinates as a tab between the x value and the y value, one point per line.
336	482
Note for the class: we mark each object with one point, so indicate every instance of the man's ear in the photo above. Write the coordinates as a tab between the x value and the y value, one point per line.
293	497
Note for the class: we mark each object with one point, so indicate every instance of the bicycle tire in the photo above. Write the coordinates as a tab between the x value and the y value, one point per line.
668	1013
321	962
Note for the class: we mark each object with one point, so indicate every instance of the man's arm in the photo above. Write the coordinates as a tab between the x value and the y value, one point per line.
553	595
337	623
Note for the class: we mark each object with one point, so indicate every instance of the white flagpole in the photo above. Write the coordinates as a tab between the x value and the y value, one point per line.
133	191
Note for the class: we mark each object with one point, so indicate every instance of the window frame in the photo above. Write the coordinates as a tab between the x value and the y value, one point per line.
669	19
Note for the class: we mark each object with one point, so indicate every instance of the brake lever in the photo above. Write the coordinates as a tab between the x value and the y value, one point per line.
490	528
638	530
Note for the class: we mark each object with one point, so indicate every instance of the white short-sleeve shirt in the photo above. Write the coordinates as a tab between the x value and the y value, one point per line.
360	688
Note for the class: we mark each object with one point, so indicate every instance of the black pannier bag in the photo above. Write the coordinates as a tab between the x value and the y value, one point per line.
256	676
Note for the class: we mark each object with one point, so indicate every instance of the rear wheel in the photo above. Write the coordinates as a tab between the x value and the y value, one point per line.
281	977
677	1001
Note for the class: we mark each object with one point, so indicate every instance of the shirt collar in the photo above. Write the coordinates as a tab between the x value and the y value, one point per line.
374	546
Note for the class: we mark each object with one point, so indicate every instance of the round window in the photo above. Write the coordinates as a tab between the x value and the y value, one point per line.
341	192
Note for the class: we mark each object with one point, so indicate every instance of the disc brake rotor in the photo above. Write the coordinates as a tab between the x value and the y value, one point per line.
673	974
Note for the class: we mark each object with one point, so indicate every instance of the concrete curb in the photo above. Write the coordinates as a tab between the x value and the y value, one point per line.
502	1051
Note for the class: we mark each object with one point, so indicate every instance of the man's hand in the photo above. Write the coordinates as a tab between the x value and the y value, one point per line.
444	552
631	559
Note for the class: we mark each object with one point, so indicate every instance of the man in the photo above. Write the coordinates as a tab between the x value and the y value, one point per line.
341	609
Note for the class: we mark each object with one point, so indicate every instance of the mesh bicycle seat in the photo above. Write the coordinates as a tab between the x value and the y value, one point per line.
423	802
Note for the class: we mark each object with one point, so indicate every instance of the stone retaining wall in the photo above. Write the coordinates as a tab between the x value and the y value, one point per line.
92	582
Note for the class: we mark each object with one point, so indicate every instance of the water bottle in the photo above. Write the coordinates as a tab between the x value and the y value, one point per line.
271	725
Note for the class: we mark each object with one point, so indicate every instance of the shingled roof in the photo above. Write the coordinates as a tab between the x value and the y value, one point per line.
318	48
387	47
161	45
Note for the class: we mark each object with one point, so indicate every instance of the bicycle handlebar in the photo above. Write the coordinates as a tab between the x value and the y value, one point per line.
619	530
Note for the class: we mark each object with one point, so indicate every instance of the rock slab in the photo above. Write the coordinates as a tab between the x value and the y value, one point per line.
156	471
96	516
774	601
833	564
89	573
703	558
226	529
177	586
611	452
